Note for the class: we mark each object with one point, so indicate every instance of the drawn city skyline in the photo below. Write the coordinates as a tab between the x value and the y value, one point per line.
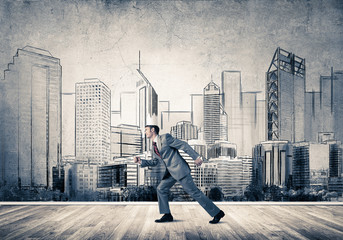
242	94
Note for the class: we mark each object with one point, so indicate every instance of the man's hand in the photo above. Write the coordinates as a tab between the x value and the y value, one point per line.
198	161
137	160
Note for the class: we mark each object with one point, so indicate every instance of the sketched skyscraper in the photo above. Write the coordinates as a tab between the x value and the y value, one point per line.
246	118
126	140
232	102
323	111
147	106
212	113
285	96
30	124
184	130
92	121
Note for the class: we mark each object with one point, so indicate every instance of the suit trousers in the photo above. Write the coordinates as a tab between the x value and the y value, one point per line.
189	186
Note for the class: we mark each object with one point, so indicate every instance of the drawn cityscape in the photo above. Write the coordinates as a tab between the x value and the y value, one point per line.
280	144
290	141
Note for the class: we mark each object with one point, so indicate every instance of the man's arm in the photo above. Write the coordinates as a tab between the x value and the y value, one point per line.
181	145
145	163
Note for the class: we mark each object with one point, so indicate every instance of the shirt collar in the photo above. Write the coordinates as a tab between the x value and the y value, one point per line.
157	139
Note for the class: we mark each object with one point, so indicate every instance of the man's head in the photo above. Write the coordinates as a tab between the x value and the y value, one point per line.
151	131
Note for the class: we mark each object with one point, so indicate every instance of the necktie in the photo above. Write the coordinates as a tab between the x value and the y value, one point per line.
155	149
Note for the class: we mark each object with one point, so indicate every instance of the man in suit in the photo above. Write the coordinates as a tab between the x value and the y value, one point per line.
165	148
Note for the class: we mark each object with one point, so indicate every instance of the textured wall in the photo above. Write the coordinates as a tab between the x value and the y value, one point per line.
182	42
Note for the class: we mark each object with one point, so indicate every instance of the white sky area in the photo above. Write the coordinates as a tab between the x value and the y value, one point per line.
182	43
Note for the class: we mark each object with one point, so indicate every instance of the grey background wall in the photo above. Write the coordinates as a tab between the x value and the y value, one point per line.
182	43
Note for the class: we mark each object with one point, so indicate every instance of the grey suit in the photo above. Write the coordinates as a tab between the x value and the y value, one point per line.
178	171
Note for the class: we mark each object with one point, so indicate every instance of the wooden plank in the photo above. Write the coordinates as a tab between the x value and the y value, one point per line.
136	223
250	220
28	223
129	215
294	217
72	223
148	223
5	210
329	214
305	215
282	231
110	216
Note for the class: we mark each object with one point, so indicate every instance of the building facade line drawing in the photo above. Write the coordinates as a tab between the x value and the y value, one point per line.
285	100
31	101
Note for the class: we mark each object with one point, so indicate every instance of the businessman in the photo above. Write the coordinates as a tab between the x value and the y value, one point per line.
165	148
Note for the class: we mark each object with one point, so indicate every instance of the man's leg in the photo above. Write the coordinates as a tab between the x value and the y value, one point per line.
189	186
163	192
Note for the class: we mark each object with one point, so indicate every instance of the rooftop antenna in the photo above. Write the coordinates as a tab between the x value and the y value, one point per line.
139	60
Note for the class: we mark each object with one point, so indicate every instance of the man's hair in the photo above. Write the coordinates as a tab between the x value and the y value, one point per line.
157	129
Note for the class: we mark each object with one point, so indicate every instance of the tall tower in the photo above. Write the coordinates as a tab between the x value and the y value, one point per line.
285	97
232	102
92	121
31	119
211	113
147	106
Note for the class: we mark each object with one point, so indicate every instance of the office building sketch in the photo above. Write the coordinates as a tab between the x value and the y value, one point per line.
81	179
272	163
285	96
126	140
323	111
31	119
245	113
212	114
147	106
120	174
92	121
336	167
184	130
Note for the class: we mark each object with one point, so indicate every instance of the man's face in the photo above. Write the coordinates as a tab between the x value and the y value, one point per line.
148	132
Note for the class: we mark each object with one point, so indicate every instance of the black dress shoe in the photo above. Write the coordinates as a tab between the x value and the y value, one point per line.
165	218
217	217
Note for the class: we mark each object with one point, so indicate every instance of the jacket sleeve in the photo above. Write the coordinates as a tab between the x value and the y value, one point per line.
181	145
149	163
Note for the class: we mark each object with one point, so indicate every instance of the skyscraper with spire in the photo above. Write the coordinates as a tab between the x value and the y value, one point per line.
215	118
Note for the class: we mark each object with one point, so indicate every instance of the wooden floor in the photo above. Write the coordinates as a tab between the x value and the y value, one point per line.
136	221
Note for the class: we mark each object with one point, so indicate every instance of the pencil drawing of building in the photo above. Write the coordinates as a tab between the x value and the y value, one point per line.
336	168
184	130
272	163
285	96
245	113
301	165
323	109
92	121
215	118
126	140
31	119
81	179
147	106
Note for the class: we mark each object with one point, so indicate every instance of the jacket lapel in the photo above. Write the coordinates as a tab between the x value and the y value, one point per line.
159	143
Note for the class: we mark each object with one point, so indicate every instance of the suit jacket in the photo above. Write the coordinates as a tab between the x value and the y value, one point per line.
174	162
